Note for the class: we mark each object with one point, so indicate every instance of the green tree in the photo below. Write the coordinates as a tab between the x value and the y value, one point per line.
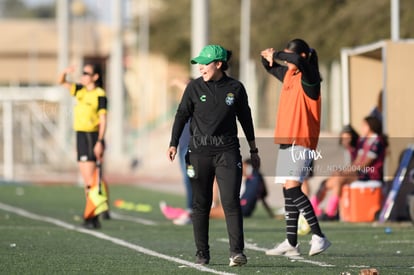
170	30
18	9
44	11
13	8
328	25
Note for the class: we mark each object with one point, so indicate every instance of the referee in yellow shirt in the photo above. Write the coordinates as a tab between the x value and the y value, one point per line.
89	122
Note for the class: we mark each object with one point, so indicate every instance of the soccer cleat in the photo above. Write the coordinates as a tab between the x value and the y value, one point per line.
170	212
202	257
238	260
184	219
92	223
105	215
318	245
325	217
284	249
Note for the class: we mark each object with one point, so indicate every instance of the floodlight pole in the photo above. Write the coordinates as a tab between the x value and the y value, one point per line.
246	65
8	160
395	20
63	22
244	40
199	30
144	71
116	92
63	32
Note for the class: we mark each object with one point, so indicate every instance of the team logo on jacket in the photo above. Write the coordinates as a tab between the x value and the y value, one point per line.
190	171
230	99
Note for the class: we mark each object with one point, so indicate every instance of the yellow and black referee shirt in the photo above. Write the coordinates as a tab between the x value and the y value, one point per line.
89	105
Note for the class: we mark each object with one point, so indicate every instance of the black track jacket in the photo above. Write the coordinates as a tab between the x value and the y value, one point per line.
213	107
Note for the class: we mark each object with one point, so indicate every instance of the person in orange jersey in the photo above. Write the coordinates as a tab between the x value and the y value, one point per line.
297	133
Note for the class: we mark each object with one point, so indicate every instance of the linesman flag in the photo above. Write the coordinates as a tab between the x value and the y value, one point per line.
96	195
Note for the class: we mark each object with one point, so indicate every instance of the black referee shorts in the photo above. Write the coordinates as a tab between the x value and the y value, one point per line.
85	141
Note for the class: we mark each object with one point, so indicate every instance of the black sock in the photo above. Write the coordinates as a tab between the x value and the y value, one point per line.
291	218
305	207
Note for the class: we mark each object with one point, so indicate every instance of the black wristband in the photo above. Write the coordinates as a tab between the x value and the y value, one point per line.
254	151
102	141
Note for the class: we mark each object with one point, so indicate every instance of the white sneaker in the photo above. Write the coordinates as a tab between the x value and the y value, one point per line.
284	249
318	245
238	260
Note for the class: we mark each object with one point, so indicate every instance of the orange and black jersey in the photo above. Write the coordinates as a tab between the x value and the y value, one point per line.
299	112
213	108
89	105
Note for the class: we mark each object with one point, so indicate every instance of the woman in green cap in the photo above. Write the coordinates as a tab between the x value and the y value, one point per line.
213	102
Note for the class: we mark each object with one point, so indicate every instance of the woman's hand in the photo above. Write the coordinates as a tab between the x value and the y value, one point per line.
268	55
255	160
98	150
171	153
69	69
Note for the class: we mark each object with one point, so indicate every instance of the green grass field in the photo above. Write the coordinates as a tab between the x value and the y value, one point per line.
40	234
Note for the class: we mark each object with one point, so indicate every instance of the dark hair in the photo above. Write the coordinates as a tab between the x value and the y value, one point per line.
376	126
299	46
354	135
248	161
379	101
225	65
96	69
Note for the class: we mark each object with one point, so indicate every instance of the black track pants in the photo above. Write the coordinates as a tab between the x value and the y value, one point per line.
227	168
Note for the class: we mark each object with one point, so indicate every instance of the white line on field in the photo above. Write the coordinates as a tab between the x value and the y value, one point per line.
118	216
397	242
252	246
99	235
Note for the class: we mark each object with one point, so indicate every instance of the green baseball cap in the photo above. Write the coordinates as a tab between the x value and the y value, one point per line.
209	54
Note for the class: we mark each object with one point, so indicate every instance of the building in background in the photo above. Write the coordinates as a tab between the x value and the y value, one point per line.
30	100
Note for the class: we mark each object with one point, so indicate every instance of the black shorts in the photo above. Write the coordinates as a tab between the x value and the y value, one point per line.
85	142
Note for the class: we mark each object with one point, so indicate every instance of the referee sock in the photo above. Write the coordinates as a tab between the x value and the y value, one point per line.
305	207
291	218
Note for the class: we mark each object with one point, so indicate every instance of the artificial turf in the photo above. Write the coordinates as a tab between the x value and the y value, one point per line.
33	246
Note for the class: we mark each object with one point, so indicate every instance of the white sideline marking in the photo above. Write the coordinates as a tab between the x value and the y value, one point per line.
121	217
252	246
397	242
99	235
303	260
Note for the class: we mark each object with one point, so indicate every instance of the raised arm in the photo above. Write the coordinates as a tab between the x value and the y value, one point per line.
62	77
271	66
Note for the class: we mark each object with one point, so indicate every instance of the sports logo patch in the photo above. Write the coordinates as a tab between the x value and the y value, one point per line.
190	171
230	99
83	158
